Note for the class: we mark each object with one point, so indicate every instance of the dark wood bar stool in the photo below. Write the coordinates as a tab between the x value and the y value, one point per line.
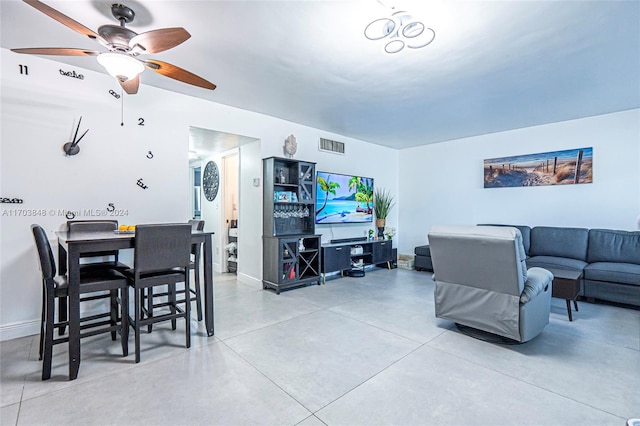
98	226
112	263
162	256
95	284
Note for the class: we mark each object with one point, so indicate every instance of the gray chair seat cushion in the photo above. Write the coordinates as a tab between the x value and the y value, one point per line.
422	251
556	262
624	273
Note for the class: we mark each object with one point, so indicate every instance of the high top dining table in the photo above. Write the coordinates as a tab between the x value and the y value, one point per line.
70	247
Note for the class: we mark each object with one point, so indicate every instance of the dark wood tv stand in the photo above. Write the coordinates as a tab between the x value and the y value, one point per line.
339	256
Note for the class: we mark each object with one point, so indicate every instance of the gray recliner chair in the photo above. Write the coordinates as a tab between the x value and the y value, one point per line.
482	281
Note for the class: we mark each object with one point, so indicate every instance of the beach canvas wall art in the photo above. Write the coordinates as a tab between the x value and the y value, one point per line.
570	166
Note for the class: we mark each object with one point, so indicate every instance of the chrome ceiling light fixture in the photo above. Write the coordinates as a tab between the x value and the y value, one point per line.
398	31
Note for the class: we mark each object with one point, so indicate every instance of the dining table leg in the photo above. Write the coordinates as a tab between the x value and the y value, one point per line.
208	284
74	311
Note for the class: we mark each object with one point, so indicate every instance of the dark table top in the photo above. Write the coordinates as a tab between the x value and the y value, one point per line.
567	274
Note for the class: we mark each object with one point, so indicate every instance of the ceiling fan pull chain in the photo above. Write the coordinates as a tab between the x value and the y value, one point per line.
121	107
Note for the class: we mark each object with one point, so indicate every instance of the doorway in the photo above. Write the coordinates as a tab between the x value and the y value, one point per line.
231	166
221	212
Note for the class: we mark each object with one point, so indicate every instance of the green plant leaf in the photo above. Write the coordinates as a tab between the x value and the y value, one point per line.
382	203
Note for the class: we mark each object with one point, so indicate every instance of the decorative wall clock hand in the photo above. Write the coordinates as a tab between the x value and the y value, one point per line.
72	148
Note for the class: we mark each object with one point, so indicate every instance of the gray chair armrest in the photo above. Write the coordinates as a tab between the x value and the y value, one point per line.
538	281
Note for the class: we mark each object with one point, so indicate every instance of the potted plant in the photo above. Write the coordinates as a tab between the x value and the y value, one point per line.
382	203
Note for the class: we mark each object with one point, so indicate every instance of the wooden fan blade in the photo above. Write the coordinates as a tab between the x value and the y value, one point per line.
131	86
63	19
160	40
59	51
178	73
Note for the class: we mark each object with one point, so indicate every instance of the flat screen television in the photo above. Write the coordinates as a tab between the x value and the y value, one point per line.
343	198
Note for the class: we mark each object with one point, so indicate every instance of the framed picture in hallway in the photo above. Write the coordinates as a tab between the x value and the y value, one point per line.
566	167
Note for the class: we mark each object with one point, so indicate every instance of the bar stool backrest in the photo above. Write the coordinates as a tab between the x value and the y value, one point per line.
160	247
47	261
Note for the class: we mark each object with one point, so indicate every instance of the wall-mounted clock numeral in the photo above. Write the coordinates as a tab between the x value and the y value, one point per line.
24	70
11	200
141	184
114	94
140	121
149	155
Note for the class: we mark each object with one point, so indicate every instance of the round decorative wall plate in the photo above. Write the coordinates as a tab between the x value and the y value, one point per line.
211	181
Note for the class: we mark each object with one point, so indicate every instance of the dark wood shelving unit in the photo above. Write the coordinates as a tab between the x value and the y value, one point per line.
291	250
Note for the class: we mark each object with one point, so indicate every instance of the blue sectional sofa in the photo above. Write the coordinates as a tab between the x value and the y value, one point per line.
609	259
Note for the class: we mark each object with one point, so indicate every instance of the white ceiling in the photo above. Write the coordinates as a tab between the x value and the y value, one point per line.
493	66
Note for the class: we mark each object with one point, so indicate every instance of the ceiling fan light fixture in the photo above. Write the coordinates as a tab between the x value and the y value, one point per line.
121	66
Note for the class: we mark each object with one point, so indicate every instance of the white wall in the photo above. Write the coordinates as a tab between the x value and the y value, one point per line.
443	183
250	217
38	113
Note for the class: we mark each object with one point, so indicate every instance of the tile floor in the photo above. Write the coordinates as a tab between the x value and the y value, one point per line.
356	351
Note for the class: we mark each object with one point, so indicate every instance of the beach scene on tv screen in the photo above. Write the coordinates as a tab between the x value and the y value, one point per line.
343	198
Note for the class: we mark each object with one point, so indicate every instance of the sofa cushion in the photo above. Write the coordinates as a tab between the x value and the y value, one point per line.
524	230
616	272
559	242
607	245
422	251
556	262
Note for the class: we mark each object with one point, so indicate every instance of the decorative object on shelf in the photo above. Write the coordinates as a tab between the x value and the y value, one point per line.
125	46
370	234
399	30
280	177
211	181
290	146
72	148
389	232
382	203
570	166
285	197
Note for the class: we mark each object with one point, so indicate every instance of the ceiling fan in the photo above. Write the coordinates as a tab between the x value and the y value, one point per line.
124	46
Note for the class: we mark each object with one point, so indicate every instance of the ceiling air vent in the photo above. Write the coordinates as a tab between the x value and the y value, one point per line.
327	145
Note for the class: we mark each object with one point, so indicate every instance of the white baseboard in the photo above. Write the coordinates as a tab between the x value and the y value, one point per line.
248	279
19	329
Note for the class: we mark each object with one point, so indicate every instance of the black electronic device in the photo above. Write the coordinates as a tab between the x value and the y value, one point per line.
343	199
348	240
